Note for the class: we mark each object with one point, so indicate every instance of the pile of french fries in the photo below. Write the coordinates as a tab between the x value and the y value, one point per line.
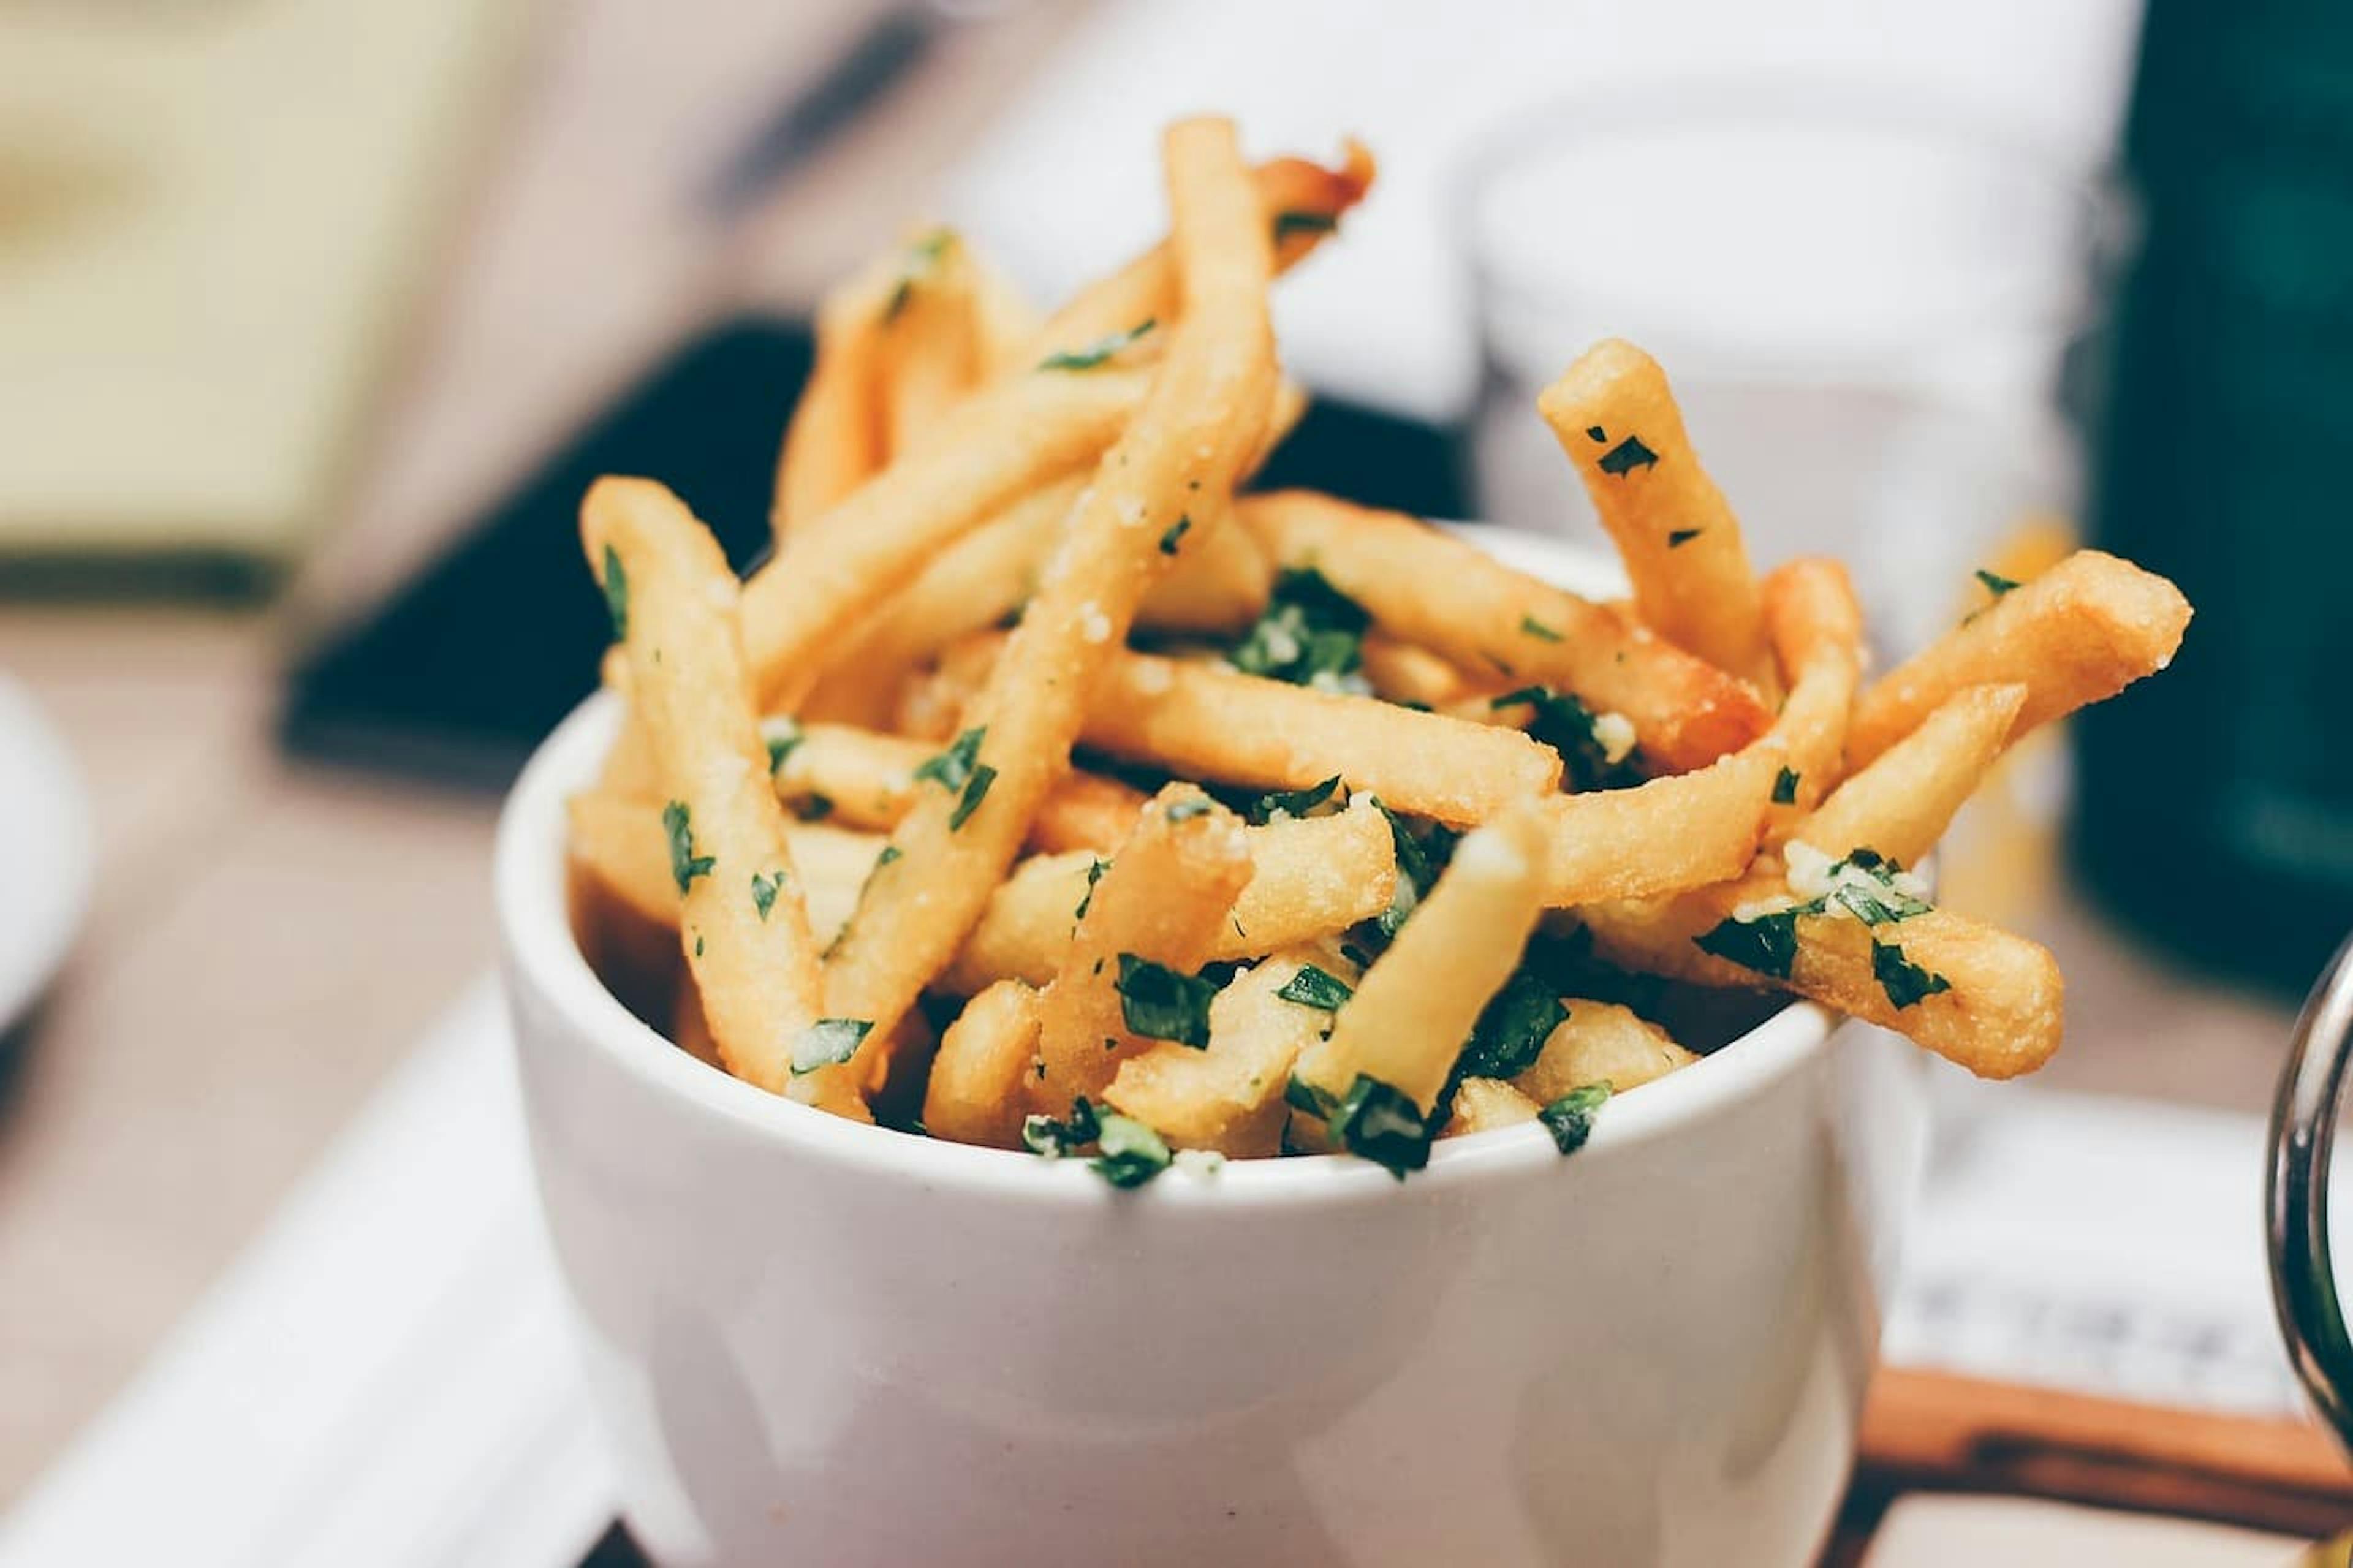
1047	789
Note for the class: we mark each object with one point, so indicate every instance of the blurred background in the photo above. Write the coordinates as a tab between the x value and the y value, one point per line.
316	314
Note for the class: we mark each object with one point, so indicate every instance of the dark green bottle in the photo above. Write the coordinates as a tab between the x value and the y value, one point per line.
2215	811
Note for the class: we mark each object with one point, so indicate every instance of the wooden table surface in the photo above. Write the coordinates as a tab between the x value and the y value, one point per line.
267	939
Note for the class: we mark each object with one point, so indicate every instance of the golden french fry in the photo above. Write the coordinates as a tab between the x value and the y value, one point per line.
742	921
978	1090
621	843
629	766
1127	972
689	1030
834	442
1902	803
1614	417
1217	584
1005	323
1400	671
1415	1006
1147	289
1483	1104
1598	1042
930	344
1816	630
860	778
1004	441
1443	593
1205	721
1229	1096
1202	419
1313	876
2080	632
1684	830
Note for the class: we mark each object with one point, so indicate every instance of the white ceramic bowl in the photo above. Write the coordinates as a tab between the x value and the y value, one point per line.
814	1341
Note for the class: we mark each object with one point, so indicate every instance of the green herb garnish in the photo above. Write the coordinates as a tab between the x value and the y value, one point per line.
1766	944
1512	1027
953	769
684	863
1176	531
1128	1152
1096	353
1161	1004
1051	1140
616	593
1314	987
1569	1118
890	852
1537	629
1094	874
781	735
1785	787
976	790
1287	224
921	257
1904	982
764	891
813	807
827	1043
1627	455
1677	538
1566	724
1596	433
1995	582
1310	633
1300	802
1376	1123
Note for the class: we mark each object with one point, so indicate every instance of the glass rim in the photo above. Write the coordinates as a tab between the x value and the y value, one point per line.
2102	208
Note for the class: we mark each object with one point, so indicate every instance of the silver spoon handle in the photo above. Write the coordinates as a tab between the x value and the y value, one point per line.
2295	1194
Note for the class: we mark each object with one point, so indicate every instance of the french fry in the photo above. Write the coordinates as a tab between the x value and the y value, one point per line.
621	844
860	778
1209	722
979	1084
1684	830
930	345
1202	419
1483	1104
1401	672
689	1030
1001	443
1005	323
1815	627
1161	902
2080	632
1902	803
1217	583
1428	587
1415	1006
835	440
1614	417
1314	877
1147	289
1601	1042
1229	1096
629	765
742	921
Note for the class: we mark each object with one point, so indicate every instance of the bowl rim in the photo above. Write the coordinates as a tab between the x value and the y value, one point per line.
531	897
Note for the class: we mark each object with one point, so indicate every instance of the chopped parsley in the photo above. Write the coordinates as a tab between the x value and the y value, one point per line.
1297	221
698	945
1677	538
1310	633
1512	1027
1569	1118
827	1043
1904	982
952	768
684	863
1596	433
976	790
1537	629
814	807
1419	858
1996	584
1314	987
1376	1123
1176	531
1161	1004
890	852
1785	787
1863	884
1627	455
1050	1140
1294	801
1766	944
783	736
1094	874
1128	1152
1356	956
616	593
764	891
1566	724
1098	351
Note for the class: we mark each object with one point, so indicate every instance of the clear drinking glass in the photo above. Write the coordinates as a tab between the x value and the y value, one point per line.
1874	317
